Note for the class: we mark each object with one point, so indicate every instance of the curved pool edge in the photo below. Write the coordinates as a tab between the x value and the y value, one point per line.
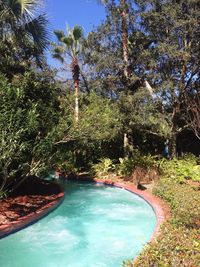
160	208
31	218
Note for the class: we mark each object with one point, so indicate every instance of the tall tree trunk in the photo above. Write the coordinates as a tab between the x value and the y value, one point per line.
76	87
124	15
173	139
76	75
177	110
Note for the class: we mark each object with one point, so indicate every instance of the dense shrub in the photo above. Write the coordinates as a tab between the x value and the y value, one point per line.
183	199
181	169
97	132
178	244
103	168
125	167
28	113
128	165
67	168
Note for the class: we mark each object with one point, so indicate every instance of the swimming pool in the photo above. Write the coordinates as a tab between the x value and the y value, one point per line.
96	225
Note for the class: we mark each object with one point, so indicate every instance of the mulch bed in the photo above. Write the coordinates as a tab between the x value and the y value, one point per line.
32	196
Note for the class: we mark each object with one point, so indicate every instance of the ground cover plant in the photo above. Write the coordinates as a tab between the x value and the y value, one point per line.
178	243
185	168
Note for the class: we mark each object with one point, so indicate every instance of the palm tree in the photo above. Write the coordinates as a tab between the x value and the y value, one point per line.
21	26
69	46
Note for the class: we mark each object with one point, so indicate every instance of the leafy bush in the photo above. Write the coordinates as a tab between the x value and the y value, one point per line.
125	167
104	167
67	168
97	134
176	246
28	112
181	169
183	199
178	242
128	165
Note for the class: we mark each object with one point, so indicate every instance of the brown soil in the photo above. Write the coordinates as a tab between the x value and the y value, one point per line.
30	197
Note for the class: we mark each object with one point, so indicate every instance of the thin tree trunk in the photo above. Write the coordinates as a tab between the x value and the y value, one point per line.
76	75
124	15
76	87
177	111
173	139
126	145
182	82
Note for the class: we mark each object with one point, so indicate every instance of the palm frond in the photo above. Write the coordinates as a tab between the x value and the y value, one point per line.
19	9
68	41
58	50
37	29
28	6
77	32
58	57
59	34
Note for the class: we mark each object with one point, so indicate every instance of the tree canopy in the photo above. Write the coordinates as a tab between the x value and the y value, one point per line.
136	75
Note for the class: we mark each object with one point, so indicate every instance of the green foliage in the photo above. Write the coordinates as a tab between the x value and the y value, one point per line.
125	167
178	242
2	194
97	131
183	200
166	57
172	58
68	45
28	112
67	168
141	113
103	168
128	165
181	169
176	246
99	119
23	36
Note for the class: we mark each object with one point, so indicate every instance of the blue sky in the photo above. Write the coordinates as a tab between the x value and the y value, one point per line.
87	13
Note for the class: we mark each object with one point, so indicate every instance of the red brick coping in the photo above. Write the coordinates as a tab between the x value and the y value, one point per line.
31	218
160	208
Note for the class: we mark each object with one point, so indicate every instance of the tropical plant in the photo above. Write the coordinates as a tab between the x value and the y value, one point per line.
126	166
182	169
23	34
69	46
28	113
104	167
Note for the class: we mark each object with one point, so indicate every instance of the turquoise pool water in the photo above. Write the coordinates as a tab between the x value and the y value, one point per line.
95	226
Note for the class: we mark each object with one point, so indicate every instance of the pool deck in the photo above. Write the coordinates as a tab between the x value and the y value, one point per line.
160	208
